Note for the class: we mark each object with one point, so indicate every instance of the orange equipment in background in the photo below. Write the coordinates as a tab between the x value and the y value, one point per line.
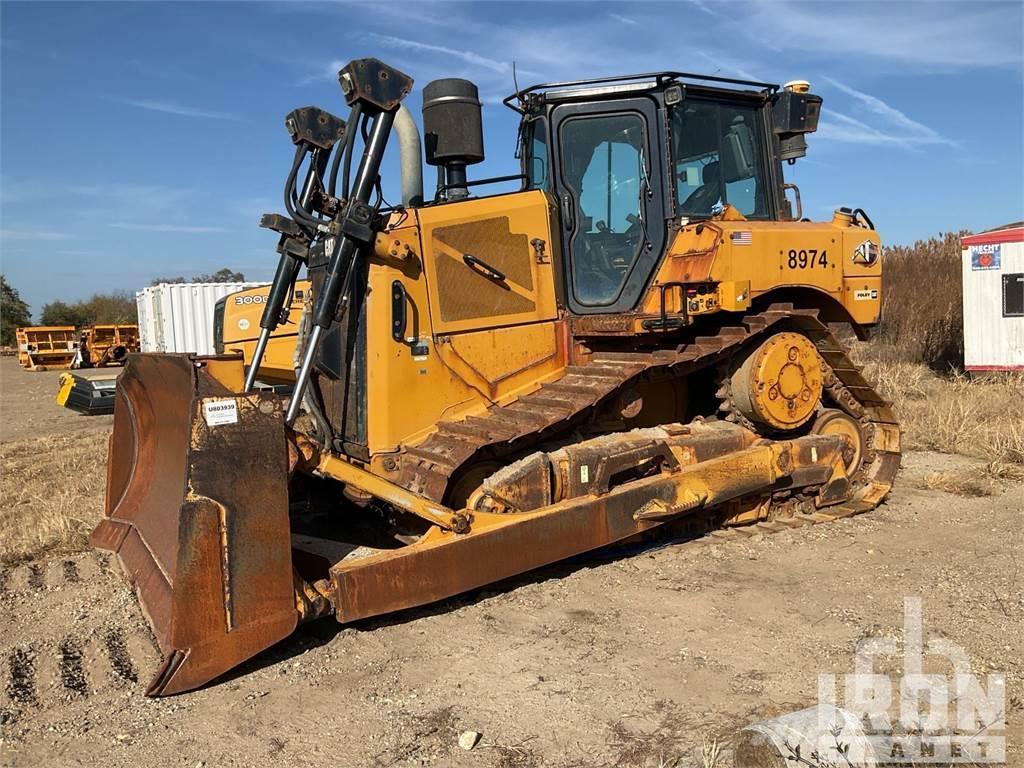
104	345
43	347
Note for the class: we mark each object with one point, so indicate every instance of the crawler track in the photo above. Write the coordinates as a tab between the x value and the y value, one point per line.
428	467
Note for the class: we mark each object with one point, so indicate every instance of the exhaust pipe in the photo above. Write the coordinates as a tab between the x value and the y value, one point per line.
411	158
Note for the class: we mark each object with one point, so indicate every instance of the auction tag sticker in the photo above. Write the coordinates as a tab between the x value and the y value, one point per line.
220	412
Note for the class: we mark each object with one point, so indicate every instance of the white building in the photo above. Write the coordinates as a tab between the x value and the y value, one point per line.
178	317
993	289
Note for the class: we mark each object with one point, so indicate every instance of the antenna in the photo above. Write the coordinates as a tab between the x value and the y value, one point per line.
515	81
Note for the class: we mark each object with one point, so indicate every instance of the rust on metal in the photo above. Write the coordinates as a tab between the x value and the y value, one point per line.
427	467
443	563
206	547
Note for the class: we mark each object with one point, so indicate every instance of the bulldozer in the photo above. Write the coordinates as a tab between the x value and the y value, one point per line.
640	334
236	330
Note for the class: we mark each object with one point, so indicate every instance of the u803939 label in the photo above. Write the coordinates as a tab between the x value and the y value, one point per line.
216	413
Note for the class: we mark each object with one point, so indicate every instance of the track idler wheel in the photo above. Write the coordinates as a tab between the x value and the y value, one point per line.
779	384
834	422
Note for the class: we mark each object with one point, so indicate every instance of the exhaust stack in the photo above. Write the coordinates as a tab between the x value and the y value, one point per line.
454	133
410	157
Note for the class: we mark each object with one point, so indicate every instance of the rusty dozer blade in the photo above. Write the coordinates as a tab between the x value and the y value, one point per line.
197	512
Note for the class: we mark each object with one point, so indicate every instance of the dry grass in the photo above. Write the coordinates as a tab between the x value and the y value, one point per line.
52	494
981	416
922	323
959	483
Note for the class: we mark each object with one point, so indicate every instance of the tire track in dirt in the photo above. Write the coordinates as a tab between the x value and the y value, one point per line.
72	632
120	660
72	674
35	577
21	680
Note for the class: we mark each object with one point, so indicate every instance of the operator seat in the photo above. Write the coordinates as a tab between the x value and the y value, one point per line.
703	199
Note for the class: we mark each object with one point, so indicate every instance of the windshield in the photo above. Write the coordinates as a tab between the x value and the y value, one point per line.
718	158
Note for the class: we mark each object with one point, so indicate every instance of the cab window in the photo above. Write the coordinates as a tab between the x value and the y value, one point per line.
537	154
604	167
718	159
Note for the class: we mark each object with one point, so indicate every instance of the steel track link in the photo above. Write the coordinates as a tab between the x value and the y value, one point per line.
428	467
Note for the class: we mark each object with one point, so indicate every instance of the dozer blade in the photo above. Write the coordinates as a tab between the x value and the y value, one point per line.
197	512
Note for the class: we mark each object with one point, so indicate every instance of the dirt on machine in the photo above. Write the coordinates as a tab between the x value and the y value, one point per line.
632	332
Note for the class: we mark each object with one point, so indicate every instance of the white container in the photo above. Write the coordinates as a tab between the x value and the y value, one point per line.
178	317
993	295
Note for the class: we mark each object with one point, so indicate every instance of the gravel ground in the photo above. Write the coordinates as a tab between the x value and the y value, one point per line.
628	657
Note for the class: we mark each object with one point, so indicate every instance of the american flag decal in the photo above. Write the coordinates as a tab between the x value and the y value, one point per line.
742	238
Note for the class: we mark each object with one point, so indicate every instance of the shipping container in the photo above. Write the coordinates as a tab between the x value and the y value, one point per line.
993	295
178	317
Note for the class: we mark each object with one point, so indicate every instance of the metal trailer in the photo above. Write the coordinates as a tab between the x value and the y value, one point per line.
178	317
109	344
42	347
993	299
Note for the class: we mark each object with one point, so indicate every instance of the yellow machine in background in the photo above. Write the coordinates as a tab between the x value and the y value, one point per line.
47	347
236	323
110	344
637	336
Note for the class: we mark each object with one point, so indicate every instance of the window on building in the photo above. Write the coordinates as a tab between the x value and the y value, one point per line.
1013	295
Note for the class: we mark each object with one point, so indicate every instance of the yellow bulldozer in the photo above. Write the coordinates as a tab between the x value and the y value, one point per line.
236	330
638	335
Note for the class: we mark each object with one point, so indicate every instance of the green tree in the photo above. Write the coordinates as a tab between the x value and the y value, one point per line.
104	308
13	312
115	307
62	313
224	275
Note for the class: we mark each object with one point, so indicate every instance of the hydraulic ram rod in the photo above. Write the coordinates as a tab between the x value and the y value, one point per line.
334	294
284	279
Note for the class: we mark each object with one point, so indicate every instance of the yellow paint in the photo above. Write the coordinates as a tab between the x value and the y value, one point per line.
791	254
242	312
531	285
470	364
229	371
67	383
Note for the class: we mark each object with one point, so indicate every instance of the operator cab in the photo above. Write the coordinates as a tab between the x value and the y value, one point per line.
630	159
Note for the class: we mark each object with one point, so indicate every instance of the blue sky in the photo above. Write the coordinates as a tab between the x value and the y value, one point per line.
145	138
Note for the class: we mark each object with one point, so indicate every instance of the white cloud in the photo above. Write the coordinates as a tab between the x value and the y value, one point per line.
726	67
22	234
913	131
703	6
171	108
468	56
178	228
893	126
325	73
623	19
942	36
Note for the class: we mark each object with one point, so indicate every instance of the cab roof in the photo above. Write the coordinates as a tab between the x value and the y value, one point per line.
567	90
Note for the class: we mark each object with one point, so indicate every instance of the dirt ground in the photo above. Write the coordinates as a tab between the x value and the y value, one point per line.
28	408
628	657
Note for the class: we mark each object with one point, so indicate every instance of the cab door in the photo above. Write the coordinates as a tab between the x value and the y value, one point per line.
611	192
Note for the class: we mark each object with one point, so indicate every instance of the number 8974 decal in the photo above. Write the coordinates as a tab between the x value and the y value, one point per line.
807	258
